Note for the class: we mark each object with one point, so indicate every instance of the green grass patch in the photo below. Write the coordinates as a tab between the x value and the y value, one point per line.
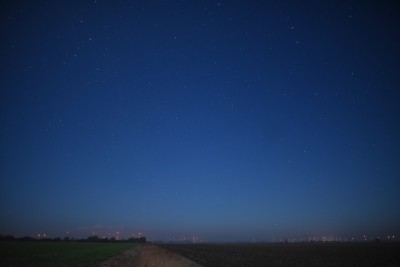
62	254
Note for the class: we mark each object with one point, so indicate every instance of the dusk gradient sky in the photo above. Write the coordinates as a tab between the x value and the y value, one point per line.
228	120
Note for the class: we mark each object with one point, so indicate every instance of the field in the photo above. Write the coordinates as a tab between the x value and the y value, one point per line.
61	254
356	254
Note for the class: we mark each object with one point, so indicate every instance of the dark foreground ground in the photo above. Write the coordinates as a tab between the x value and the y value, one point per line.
326	254
58	254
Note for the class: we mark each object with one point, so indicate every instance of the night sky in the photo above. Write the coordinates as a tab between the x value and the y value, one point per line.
226	120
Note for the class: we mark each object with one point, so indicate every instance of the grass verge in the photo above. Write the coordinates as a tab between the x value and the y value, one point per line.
46	254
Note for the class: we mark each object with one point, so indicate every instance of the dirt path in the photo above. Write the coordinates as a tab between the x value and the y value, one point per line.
148	256
126	259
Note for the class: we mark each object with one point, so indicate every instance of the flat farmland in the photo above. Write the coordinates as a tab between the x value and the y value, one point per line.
61	254
321	254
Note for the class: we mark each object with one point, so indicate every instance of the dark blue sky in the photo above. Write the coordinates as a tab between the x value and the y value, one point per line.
230	120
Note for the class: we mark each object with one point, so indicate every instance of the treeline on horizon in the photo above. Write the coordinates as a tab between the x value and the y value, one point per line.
93	238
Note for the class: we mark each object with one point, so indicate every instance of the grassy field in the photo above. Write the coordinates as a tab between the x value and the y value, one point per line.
350	254
61	254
